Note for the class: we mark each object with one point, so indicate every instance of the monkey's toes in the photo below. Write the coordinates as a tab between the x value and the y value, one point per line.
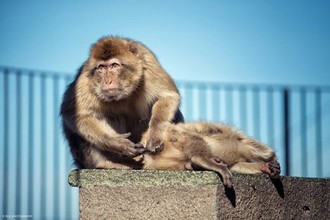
274	168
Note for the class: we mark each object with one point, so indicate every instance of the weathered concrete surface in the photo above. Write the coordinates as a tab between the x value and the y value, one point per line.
119	194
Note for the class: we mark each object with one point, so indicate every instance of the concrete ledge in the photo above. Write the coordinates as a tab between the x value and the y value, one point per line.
146	194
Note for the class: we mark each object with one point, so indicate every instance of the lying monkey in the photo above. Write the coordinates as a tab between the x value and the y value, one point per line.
213	147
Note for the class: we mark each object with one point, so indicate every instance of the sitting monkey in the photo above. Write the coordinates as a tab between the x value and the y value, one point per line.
120	92
213	147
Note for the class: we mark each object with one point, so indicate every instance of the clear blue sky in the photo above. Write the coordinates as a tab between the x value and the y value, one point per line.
227	41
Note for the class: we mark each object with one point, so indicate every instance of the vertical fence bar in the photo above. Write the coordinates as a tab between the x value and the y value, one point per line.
31	144
6	143
229	104
256	113
43	148
243	108
202	107
56	145
286	126
303	135
318	132
19	142
189	101
270	104
215	103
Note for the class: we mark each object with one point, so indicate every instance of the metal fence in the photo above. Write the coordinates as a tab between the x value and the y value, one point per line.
35	160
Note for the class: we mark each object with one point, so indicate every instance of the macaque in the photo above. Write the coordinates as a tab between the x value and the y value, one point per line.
119	93
210	146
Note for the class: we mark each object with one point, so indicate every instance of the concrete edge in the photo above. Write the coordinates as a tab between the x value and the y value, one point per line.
92	177
115	177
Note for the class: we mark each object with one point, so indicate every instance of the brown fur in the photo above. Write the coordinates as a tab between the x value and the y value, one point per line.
214	147
120	92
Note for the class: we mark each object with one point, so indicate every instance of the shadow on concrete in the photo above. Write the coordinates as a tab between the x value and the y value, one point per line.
279	187
231	195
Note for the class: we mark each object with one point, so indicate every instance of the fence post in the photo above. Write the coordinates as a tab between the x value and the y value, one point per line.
286	123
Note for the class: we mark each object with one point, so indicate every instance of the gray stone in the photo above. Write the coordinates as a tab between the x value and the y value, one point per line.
154	194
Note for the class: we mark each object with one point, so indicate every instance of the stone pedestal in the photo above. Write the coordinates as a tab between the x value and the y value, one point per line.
146	194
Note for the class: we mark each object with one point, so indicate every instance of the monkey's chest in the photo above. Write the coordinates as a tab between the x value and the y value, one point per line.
125	124
136	128
137	122
133	119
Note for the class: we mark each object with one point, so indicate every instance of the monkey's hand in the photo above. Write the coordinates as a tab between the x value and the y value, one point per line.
123	146
154	142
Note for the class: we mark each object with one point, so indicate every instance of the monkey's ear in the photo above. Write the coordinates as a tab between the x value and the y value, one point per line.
133	48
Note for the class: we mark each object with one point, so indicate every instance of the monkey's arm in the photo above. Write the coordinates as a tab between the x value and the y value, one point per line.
102	136
163	112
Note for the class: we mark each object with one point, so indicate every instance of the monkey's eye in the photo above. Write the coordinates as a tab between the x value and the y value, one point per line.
115	65
101	67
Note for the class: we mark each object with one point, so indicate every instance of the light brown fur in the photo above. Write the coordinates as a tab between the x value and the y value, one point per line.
120	92
214	147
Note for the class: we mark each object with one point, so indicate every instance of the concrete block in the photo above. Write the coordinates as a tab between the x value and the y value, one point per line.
154	194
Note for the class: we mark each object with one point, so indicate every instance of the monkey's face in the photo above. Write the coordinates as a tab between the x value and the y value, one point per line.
116	79
116	68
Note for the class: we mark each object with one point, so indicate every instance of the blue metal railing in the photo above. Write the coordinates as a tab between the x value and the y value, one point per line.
35	160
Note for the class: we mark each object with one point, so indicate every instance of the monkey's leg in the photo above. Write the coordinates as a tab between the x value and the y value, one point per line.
256	151
211	164
203	128
247	167
271	168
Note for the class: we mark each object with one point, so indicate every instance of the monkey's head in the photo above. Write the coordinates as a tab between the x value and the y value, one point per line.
115	68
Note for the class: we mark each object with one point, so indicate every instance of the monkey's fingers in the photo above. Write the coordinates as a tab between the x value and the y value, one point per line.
138	145
126	135
135	150
155	146
160	147
125	147
140	148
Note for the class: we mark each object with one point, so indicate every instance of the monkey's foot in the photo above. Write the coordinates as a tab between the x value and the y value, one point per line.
216	165
227	179
226	175
272	168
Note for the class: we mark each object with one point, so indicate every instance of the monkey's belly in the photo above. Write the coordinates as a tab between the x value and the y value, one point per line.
158	162
169	159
